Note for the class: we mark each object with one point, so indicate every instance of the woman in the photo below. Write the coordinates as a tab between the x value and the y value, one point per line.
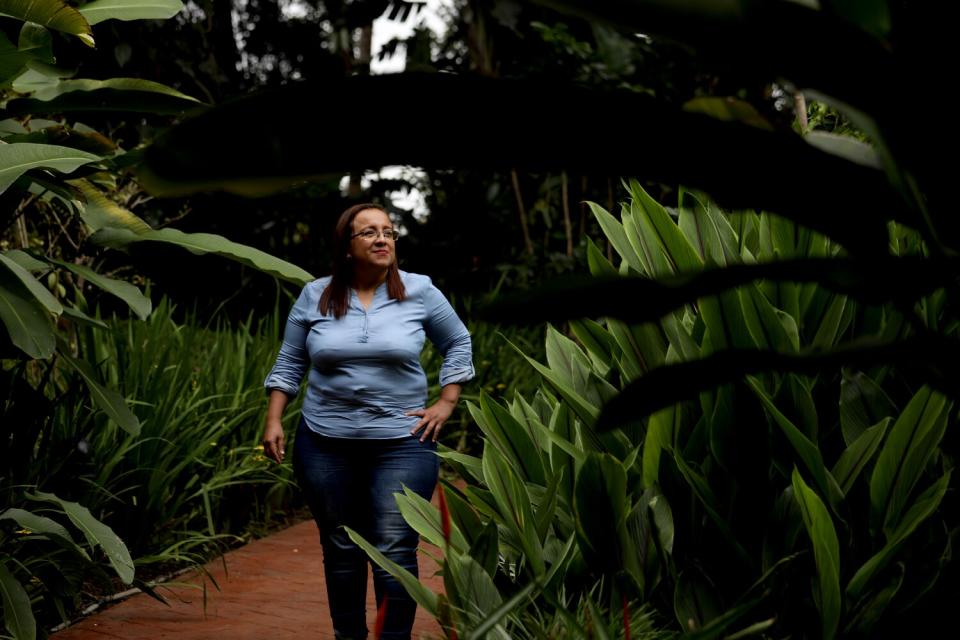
365	431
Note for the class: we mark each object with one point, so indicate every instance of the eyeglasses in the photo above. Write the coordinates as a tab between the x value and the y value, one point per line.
373	234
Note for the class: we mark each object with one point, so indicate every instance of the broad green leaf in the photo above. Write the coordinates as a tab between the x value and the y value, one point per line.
108	400
858	454
765	325
18	158
470	464
17	613
513	503
79	316
493	619
597	262
42	525
659	436
27	261
600	505
701	489
511	437
696	601
27	322
862	403
117	84
728	109
425	519
807	451
97	534
139	303
830	326
100	10
12	63
486	548
614	231
53	14
477	594
699	228
201	243
902	461
925	505
586	411
655	223
424	597
826	553
726	325
36	289
100	212
844	146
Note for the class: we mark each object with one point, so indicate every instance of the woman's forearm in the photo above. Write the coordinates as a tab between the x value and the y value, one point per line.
451	393
277	403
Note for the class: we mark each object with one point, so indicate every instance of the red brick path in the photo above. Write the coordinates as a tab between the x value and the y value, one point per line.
273	588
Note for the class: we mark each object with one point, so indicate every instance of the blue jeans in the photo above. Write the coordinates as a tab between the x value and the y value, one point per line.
351	482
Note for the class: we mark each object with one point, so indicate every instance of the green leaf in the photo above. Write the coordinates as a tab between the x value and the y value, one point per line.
514	506
655	223
40	293
512	439
769	329
100	212
97	534
600	505
659	437
79	316
53	14
100	10
138	303
27	261
586	411
925	505
486	548
424	597
844	146
43	526
478	596
614	231
807	451
18	158
826	552
128	95
27	322
903	460
856	456
109	401
202	243
425	520
862	403
118	84
470	464
17	614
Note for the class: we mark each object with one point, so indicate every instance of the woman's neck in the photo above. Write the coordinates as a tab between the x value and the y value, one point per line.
368	279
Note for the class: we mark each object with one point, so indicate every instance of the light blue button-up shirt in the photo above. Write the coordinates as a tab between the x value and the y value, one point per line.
365	371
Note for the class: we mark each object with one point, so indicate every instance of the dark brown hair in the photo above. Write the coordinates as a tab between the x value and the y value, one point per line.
336	297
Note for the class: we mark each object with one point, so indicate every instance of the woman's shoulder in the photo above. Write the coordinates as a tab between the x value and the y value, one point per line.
415	283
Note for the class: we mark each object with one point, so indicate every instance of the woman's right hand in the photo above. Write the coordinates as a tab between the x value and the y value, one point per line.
273	440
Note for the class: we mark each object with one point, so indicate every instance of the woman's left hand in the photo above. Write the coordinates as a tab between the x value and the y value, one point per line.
432	419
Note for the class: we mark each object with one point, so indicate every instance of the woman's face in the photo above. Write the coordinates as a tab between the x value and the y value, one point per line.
378	251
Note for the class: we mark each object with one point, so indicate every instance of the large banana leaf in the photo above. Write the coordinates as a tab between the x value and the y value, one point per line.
26	320
826	553
96	533
100	10
17	613
128	95
728	160
18	158
53	14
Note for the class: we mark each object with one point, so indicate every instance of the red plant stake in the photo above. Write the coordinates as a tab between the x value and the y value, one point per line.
381	618
626	617
444	515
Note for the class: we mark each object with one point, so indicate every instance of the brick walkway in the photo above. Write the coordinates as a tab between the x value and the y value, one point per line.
273	589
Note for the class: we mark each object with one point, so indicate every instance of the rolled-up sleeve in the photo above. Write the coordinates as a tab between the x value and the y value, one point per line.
292	360
448	333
